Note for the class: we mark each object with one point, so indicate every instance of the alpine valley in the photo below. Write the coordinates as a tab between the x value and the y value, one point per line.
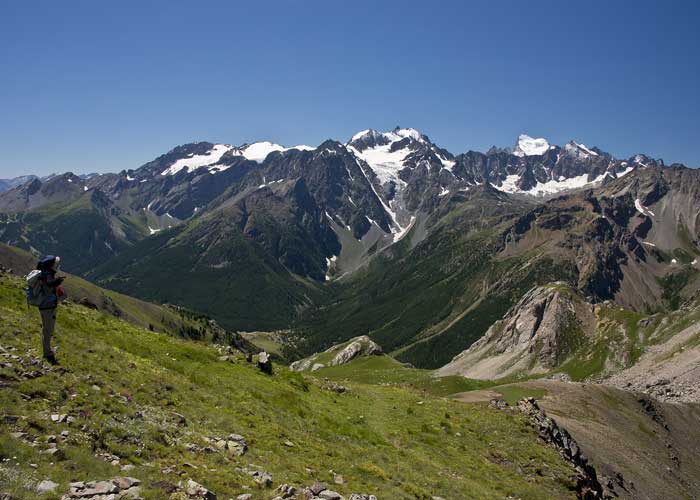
557	272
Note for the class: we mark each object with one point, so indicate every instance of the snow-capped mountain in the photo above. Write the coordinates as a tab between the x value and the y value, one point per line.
211	158
370	191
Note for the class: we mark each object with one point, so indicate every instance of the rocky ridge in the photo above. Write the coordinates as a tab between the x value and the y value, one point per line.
339	354
536	335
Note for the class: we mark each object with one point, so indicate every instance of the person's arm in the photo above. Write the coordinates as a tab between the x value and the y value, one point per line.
53	281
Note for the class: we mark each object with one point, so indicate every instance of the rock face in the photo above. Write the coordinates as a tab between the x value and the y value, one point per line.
535	335
339	354
587	485
361	345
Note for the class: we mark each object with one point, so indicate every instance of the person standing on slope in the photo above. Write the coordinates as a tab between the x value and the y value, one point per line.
51	292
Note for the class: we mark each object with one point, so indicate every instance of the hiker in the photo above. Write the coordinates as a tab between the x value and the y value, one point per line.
44	290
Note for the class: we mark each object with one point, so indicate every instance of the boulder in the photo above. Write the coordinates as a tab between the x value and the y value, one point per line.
195	490
331	495
286	491
46	486
265	363
361	345
317	487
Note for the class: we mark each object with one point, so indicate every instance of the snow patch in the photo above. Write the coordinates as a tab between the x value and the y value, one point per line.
509	184
384	162
258	151
642	209
447	164
329	263
552	186
404	231
193	162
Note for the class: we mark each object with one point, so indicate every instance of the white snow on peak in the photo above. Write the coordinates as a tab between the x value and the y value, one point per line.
193	162
392	136
580	150
640	159
408	132
360	134
529	146
258	151
384	162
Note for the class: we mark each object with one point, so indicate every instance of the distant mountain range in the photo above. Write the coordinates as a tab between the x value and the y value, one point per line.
387	234
6	184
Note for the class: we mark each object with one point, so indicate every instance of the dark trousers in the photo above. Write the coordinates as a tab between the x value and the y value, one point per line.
48	321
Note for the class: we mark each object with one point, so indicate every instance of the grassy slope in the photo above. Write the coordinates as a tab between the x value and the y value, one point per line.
136	311
379	438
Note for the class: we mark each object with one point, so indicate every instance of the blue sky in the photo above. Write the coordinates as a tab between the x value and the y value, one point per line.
102	86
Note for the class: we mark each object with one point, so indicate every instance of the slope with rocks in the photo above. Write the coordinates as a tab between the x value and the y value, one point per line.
185	423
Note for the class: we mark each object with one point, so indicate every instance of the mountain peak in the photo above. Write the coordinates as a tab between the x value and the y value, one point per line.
372	137
530	146
409	132
579	150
